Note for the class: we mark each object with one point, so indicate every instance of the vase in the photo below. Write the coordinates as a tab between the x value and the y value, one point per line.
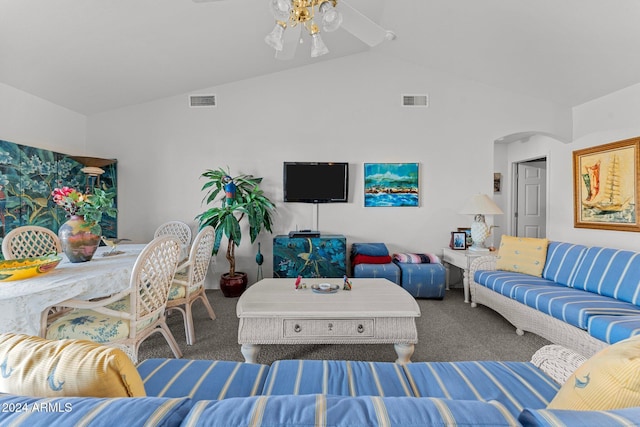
232	287
78	243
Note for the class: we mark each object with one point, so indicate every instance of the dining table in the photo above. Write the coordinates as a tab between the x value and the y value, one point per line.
23	301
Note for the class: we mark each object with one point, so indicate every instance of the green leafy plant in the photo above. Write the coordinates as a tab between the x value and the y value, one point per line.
246	201
91	206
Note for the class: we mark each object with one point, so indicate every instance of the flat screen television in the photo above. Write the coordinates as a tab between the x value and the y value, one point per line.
316	182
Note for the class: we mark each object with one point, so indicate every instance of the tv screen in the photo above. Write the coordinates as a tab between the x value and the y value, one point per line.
312	182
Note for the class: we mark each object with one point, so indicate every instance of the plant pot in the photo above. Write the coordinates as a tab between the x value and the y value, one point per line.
232	287
78	244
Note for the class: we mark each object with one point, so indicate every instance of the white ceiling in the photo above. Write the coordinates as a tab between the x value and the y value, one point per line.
95	55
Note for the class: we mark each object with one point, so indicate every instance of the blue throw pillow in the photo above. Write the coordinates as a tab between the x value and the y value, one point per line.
369	249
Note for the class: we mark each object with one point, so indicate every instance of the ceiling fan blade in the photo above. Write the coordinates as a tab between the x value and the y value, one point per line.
361	26
290	43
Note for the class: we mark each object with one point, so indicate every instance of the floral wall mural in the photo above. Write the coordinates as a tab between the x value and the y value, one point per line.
27	177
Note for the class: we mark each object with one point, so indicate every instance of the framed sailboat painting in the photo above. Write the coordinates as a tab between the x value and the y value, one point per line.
606	186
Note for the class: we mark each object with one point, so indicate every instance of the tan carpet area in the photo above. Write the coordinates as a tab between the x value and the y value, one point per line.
448	330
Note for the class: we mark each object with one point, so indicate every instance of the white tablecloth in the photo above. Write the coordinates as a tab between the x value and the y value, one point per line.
22	301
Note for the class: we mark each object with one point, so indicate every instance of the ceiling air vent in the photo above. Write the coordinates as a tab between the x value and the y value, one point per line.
202	101
415	100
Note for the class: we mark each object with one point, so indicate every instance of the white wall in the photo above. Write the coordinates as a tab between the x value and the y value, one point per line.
342	110
28	120
607	119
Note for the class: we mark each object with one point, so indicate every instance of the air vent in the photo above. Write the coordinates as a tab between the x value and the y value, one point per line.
415	100
196	101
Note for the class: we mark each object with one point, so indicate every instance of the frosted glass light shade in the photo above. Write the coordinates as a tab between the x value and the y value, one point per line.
280	9
318	48
275	37
331	18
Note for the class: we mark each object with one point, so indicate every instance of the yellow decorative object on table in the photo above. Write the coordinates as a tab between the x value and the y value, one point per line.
23	268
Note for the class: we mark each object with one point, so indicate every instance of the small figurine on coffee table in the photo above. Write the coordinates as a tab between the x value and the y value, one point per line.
347	284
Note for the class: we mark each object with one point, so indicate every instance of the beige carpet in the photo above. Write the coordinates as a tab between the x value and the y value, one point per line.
448	330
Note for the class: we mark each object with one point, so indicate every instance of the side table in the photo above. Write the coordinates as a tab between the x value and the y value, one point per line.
462	260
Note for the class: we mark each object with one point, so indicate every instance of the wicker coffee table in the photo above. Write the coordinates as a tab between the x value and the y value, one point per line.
375	311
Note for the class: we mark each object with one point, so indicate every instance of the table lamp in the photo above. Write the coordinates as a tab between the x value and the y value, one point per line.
480	205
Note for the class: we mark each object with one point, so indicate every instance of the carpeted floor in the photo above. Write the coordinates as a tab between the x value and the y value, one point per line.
448	330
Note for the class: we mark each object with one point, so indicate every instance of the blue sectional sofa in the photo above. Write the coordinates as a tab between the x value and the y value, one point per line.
292	393
585	299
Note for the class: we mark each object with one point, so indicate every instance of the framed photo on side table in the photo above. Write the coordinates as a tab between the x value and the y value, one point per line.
458	240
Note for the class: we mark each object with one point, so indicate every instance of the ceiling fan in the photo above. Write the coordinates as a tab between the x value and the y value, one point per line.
292	15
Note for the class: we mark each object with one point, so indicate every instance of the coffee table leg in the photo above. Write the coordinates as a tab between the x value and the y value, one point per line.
250	352
404	352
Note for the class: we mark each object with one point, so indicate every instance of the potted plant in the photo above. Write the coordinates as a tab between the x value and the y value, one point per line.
240	199
80	235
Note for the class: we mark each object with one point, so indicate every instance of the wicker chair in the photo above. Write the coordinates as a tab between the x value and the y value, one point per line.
132	315
175	228
188	284
179	229
30	241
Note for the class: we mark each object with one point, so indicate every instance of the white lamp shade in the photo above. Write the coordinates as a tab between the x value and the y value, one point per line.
481	204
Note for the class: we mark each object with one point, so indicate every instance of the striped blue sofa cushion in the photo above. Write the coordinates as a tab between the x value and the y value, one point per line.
383	271
570	305
610	272
553	418
516	385
201	379
336	377
504	282
339	411
562	261
92	411
612	329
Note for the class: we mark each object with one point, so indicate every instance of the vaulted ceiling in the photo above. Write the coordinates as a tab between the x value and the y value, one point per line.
95	55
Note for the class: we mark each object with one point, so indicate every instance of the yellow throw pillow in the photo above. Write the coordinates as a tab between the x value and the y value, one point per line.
608	380
34	366
522	255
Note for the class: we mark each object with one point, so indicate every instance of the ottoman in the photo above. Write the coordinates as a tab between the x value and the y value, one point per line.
372	260
425	280
384	271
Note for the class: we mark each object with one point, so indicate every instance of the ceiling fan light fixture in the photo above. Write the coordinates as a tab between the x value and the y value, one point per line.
275	38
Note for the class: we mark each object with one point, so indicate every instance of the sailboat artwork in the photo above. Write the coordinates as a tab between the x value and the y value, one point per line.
611	200
606	183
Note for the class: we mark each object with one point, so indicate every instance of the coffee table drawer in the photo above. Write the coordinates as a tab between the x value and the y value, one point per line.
302	328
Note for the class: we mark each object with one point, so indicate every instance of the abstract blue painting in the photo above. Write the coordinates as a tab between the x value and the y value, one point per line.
391	184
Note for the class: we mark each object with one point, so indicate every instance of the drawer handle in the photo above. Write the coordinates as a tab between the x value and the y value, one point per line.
297	328
360	328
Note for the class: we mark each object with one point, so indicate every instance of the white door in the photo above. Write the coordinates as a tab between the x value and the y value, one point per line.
531	214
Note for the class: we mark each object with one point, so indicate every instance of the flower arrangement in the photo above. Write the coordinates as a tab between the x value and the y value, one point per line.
91	206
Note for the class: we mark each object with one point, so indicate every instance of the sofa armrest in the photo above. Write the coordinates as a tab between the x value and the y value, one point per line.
557	361
486	262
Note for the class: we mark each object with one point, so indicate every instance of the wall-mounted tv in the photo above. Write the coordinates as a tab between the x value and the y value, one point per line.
316	182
